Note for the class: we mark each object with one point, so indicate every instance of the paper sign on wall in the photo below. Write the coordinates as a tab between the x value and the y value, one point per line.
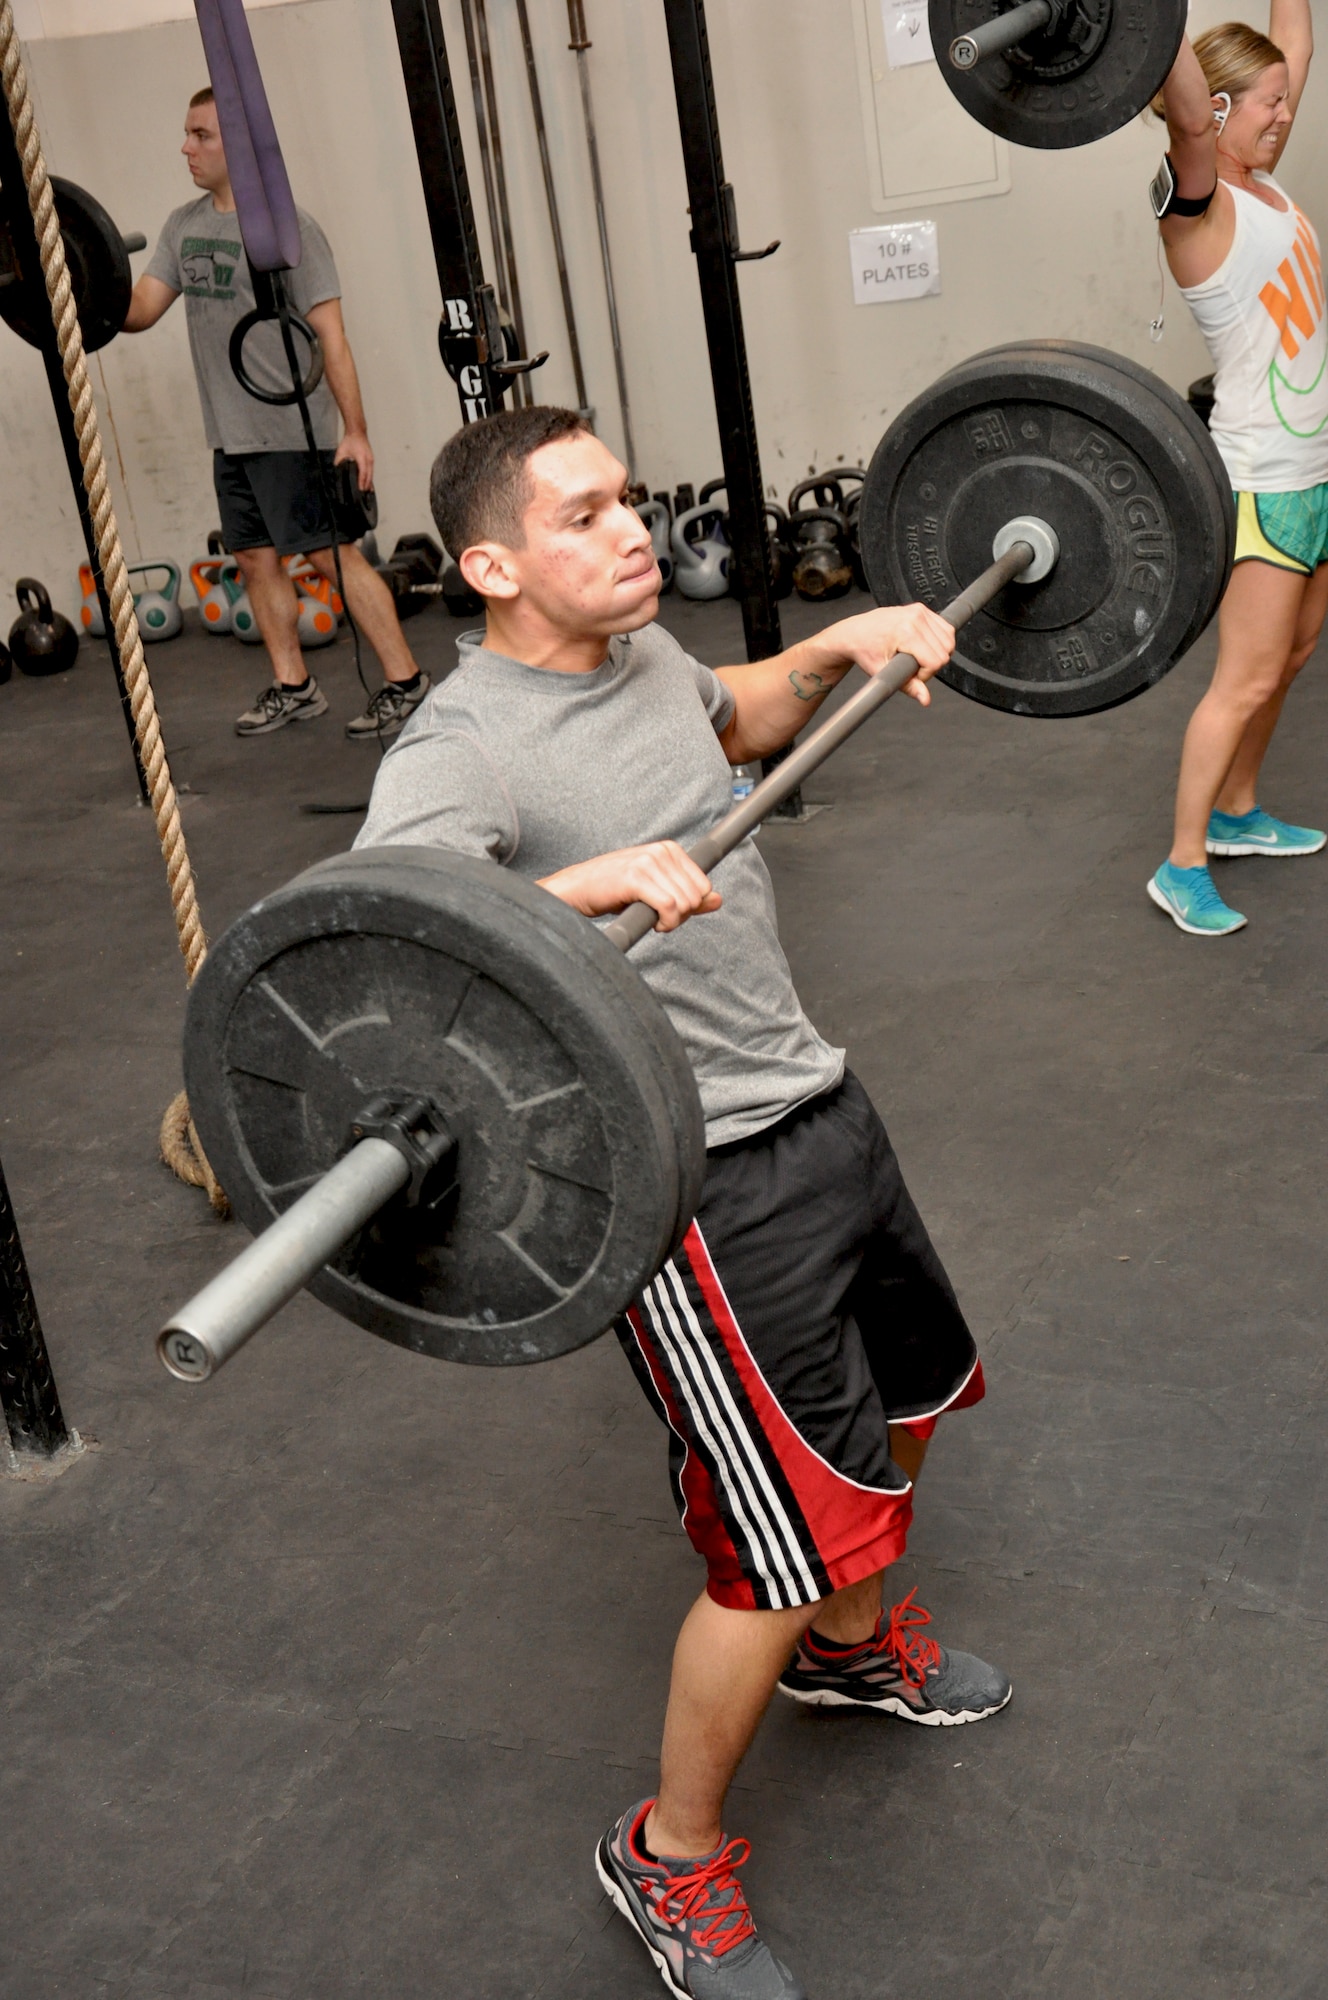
899	260
907	36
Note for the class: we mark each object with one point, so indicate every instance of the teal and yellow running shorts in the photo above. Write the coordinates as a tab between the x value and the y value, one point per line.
1288	530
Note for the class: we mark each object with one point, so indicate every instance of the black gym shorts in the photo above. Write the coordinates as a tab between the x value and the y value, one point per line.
805	1312
272	500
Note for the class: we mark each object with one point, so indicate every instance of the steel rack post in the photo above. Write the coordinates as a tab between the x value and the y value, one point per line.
470	333
715	244
31	1401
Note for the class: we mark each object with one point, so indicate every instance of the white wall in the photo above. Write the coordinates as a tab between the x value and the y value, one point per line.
1069	250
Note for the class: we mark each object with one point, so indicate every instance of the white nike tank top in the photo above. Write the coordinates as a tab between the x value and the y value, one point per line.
1262	316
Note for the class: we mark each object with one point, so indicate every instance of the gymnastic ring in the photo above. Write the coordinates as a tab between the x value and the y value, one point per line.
279	396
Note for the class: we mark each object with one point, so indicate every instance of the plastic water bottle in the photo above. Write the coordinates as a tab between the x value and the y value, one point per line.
744	781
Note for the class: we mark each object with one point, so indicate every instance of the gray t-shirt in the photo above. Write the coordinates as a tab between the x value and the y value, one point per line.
538	770
200	254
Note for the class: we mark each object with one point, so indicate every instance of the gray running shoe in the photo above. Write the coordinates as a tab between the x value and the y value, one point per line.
692	1917
900	1672
388	711
278	705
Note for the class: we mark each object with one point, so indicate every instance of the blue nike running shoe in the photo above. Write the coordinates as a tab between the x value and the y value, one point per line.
1190	900
1258	832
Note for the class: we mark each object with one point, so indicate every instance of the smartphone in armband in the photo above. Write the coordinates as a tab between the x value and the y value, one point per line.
1165	200
1161	192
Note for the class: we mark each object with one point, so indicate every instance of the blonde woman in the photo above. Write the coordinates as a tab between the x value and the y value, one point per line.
1247	263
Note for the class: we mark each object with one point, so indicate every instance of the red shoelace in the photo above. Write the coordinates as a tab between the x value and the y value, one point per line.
902	1638
681	1897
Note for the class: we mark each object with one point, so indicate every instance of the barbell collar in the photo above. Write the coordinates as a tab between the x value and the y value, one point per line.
628	928
1041	538
217	1321
1005	32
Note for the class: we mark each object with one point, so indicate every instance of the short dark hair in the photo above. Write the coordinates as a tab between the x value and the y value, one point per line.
479	488
204	96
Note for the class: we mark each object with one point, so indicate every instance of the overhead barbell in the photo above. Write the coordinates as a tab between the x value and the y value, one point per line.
1054	73
454	1110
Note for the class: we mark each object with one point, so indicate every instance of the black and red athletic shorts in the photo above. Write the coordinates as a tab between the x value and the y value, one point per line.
804	1314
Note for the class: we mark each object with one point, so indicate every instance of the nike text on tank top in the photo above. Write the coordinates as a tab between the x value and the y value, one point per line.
1262	316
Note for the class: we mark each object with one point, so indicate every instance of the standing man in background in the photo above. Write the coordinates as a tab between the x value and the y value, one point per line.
268	490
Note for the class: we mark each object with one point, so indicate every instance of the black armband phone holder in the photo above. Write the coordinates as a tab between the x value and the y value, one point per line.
1162	193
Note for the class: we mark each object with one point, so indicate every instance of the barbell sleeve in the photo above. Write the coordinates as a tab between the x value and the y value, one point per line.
632	924
967	51
217	1321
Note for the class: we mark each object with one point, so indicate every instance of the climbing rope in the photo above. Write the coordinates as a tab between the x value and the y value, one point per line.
179	1142
182	1150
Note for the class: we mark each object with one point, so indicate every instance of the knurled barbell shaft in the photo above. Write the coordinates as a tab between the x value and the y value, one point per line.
634	922
967	51
218	1320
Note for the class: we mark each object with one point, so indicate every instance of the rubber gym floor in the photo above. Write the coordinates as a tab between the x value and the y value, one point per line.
323	1680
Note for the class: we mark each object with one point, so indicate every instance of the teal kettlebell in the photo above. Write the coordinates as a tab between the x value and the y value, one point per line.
656	517
701	562
159	614
244	625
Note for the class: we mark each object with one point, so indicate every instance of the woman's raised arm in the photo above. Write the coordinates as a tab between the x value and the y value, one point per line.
1192	141
1291	26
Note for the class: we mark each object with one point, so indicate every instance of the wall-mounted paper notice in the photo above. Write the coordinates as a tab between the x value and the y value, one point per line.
900	260
907	36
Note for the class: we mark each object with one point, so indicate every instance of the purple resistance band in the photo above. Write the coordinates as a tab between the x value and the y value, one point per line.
263	198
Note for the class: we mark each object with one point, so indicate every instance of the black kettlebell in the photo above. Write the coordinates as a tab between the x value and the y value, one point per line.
819	534
824	489
6	664
852	511
821	566
42	641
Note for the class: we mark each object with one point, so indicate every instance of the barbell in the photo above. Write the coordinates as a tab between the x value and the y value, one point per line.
1053	73
449	1104
98	259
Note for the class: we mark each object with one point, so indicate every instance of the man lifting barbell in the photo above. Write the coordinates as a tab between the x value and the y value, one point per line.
443	1100
803	1342
268	491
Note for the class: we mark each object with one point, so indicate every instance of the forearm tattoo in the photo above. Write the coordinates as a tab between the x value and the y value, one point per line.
807	687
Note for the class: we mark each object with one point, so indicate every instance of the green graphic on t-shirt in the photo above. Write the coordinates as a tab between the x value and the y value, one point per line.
1276	377
207	265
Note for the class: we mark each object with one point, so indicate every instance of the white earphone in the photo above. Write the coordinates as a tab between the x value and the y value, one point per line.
1221	108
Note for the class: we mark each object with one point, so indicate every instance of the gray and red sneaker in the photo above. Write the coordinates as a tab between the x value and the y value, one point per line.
692	1917
898	1671
278	705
